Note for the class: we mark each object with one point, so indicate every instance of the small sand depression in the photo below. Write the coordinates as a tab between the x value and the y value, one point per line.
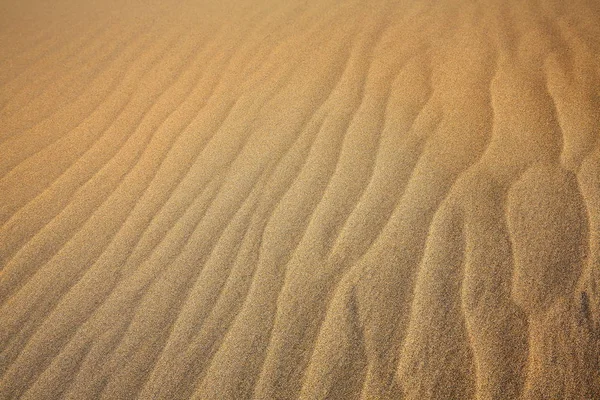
282	199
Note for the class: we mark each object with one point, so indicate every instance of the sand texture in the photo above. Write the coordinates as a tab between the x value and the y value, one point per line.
300	199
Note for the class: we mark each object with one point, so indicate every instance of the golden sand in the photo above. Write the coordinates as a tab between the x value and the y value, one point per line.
284	199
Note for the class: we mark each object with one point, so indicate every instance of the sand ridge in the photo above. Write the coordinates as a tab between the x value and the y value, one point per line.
300	199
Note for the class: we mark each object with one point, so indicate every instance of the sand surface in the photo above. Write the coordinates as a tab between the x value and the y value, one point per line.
284	199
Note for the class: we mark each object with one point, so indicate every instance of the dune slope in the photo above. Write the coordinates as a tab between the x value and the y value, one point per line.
281	199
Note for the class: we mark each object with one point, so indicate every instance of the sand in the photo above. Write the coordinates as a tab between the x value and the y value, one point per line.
285	199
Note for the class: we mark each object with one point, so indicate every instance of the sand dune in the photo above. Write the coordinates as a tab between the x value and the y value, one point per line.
300	199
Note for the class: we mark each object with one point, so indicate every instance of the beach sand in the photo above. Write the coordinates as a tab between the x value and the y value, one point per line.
285	199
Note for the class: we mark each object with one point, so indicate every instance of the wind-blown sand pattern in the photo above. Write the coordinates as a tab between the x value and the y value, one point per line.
286	199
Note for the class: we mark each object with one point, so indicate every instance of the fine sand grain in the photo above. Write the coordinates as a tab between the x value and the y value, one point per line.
281	199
